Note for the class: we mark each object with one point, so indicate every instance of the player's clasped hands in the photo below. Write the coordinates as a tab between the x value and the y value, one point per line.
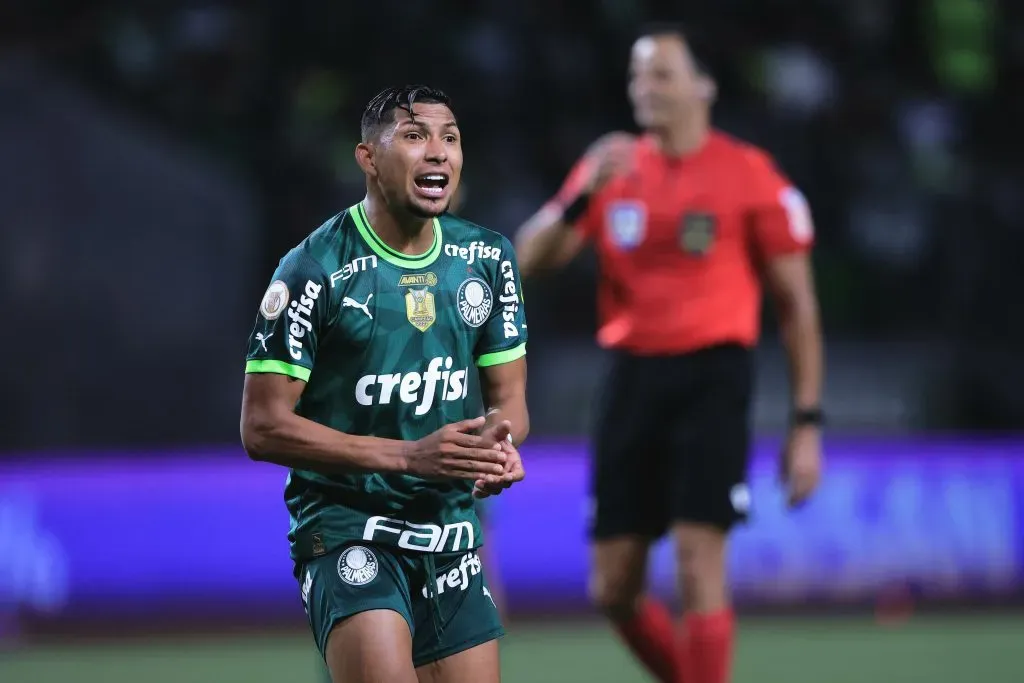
513	471
455	451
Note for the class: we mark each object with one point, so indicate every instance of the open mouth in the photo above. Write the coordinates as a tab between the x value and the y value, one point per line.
432	184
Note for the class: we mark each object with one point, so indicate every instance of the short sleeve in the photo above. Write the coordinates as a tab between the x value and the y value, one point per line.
292	318
572	186
503	336
780	218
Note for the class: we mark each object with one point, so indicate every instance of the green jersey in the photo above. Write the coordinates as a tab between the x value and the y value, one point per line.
388	344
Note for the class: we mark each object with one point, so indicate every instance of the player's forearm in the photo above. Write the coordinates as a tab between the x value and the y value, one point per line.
293	441
513	410
800	328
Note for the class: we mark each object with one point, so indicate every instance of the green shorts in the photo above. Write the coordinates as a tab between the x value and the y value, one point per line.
456	615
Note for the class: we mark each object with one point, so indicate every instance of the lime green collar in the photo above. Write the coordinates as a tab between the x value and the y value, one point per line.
393	257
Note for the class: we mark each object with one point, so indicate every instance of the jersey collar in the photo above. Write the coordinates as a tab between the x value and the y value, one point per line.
393	257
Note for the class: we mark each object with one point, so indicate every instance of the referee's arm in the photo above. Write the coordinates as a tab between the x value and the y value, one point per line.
547	241
783	232
790	282
553	236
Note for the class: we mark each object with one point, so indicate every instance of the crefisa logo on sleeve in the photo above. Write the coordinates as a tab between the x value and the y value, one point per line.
300	313
509	298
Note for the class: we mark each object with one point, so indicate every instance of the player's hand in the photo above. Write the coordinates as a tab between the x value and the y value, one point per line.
801	464
608	156
514	471
456	452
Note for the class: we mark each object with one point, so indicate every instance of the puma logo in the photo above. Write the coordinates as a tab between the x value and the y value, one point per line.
262	339
349	302
488	594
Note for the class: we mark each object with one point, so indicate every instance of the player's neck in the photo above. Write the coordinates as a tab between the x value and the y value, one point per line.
683	139
406	234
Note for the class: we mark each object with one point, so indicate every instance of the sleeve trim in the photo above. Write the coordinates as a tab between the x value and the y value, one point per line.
501	357
278	368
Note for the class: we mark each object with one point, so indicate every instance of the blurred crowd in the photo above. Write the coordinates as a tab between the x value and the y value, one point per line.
158	157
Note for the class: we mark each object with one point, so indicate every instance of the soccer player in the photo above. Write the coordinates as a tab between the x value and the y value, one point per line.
357	380
687	224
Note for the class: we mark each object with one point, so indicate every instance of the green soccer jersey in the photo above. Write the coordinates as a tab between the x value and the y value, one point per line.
387	344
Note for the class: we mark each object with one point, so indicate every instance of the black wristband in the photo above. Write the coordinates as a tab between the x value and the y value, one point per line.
803	417
576	209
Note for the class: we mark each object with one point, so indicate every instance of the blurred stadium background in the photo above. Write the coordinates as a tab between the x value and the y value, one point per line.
158	156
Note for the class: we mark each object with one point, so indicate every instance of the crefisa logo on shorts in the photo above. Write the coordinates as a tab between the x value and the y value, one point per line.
458	577
357	566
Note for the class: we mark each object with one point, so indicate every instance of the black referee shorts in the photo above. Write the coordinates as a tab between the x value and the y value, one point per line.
671	442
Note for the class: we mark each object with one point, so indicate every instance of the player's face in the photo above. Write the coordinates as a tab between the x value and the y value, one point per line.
419	160
663	82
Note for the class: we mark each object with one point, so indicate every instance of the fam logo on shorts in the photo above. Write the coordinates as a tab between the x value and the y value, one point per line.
357	566
275	300
626	223
474	301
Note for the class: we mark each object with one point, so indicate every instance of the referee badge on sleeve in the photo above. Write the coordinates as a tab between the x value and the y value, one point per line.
697	233
626	222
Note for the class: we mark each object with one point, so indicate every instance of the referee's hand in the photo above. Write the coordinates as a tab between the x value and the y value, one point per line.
801	464
608	156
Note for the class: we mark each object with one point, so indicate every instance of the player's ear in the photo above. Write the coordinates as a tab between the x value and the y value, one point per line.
366	159
707	89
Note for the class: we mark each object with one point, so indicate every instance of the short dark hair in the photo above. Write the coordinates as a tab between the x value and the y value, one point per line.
676	30
662	28
380	112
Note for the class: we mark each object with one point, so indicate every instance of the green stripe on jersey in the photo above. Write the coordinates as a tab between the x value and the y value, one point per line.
276	367
501	357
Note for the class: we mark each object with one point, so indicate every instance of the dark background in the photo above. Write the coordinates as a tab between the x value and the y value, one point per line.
159	157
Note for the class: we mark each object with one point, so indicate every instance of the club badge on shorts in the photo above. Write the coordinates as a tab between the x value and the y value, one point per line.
697	233
357	566
626	223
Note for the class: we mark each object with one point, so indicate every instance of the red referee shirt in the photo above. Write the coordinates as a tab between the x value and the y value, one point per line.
679	242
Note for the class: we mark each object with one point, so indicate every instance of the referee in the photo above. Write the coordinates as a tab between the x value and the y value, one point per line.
689	226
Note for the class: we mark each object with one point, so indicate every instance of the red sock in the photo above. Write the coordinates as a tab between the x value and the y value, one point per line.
649	635
706	649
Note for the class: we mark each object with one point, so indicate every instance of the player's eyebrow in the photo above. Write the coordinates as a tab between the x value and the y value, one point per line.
423	125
